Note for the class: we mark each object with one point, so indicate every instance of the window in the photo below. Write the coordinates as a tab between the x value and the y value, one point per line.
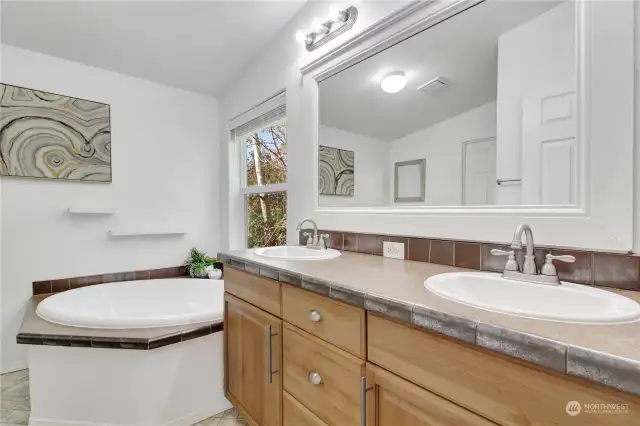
261	145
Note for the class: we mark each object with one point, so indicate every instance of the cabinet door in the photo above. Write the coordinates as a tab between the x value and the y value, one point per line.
296	414
392	401
253	361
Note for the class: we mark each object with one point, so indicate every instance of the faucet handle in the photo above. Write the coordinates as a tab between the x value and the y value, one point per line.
549	268
324	240
512	263
309	239
567	258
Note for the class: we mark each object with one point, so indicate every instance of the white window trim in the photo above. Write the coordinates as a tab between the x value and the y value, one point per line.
238	188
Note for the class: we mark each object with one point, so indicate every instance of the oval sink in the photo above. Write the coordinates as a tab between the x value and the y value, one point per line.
296	253
572	303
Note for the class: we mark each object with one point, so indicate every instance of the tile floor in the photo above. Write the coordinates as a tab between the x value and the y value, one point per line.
15	406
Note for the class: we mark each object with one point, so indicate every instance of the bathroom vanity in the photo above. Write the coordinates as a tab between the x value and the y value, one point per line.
451	121
358	340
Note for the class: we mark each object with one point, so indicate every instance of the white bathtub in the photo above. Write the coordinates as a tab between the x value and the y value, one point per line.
137	304
175	385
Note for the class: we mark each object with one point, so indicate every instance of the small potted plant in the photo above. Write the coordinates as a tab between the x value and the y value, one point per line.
199	265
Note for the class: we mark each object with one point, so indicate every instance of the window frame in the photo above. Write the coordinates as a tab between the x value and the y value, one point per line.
240	147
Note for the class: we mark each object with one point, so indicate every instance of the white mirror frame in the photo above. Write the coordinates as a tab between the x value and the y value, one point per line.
602	218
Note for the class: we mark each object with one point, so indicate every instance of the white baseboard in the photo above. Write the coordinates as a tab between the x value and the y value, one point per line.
188	420
15	366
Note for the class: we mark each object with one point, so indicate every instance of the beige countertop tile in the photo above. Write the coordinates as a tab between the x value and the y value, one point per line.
404	281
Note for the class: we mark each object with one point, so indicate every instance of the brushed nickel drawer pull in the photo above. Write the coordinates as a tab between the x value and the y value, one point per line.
363	400
315	316
315	378
270	371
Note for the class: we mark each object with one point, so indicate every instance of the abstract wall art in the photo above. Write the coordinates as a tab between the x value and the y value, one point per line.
49	136
336	171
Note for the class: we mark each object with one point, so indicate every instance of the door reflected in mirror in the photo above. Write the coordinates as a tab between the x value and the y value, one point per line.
480	107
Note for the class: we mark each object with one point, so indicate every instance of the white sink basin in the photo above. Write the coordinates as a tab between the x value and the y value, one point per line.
296	253
571	303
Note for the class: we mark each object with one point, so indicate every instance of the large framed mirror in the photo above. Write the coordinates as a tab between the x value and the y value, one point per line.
511	105
486	97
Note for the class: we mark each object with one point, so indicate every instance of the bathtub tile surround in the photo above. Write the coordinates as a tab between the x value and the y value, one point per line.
139	345
64	284
591	268
612	358
36	331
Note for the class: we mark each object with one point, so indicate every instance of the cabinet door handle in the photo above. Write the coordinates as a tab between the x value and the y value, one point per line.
315	316
363	401
270	357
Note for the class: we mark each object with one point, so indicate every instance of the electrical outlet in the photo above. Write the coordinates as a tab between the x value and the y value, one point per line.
393	250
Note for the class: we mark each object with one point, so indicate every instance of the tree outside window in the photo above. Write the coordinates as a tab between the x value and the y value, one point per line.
266	162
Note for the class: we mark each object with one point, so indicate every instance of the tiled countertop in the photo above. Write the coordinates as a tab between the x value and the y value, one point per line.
607	354
36	331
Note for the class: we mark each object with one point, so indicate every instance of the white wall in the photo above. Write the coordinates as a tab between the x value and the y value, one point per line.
276	69
164	156
371	175
533	59
441	146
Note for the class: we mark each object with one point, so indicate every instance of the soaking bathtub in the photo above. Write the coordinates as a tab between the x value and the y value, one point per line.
179	383
137	304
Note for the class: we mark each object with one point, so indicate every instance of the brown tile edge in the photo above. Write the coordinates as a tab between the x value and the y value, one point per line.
60	285
119	342
537	350
609	273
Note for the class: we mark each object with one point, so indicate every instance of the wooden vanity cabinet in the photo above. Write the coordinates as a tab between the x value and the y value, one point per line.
506	391
393	401
253	362
294	358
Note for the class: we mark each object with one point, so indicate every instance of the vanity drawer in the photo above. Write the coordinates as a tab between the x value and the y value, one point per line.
337	323
261	292
506	391
335	397
296	414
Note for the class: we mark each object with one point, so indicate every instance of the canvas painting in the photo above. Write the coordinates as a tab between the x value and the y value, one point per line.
49	136
336	171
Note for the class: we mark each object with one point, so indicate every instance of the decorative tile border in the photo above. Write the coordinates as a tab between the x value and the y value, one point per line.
615	270
64	284
609	370
119	342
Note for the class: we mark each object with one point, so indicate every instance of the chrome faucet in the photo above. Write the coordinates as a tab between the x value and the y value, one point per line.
313	241
548	273
529	266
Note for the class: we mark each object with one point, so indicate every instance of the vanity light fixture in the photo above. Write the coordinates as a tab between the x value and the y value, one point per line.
328	29
394	82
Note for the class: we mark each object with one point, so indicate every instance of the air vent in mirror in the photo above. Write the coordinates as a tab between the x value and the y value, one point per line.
438	84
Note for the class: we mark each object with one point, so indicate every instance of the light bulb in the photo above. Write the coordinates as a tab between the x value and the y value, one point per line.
338	14
301	36
394	82
316	24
